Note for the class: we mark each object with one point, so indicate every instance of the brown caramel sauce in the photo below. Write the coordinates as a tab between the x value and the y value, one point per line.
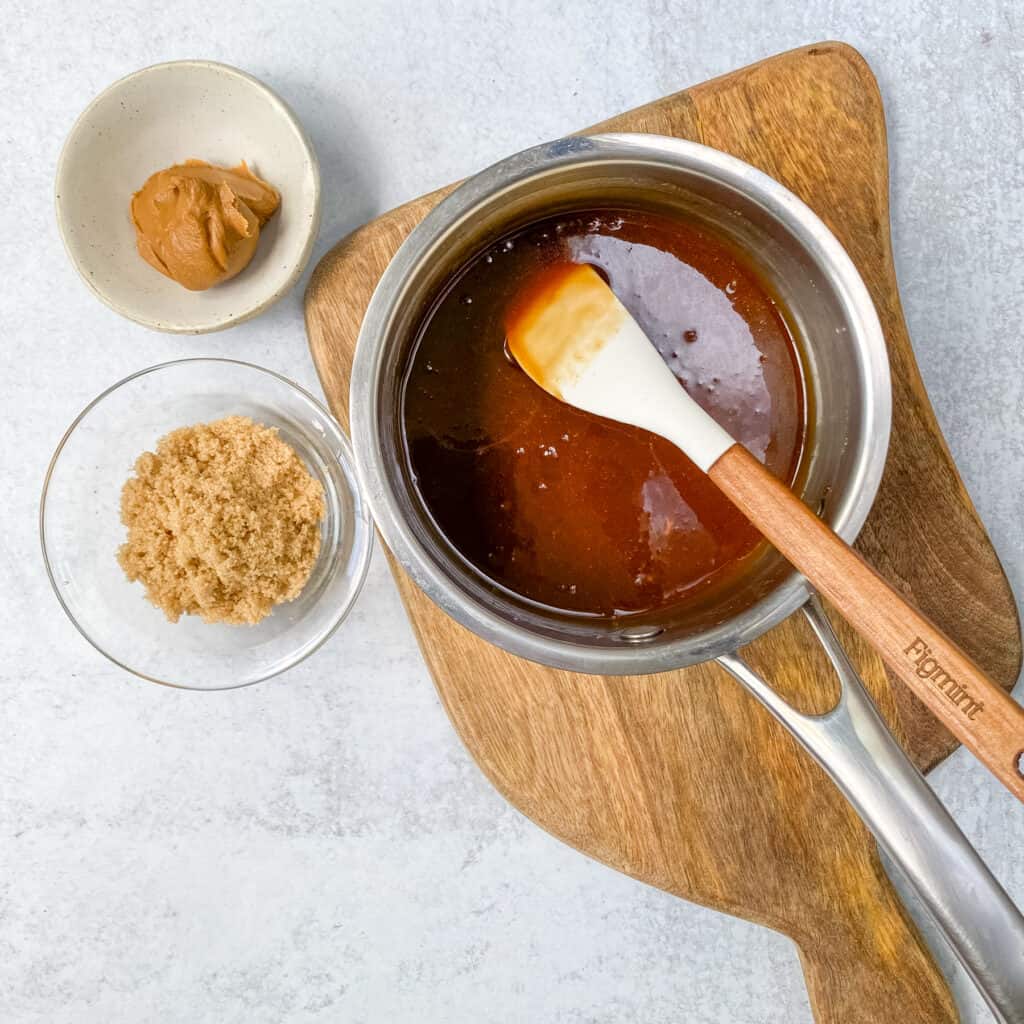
562	507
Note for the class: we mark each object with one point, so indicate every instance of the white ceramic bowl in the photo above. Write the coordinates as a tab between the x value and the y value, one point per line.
160	116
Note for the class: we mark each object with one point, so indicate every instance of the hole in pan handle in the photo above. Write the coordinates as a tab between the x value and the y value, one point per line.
855	747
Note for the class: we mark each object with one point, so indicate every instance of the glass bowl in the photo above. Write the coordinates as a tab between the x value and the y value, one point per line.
81	530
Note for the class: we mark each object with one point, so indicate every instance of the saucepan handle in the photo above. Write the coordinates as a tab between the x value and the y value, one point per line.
854	746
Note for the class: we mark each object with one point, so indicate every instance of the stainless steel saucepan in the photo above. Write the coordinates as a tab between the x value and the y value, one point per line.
845	358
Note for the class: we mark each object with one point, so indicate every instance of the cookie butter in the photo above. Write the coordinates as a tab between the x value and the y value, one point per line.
199	224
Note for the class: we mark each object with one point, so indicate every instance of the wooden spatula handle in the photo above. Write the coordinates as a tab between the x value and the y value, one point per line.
973	707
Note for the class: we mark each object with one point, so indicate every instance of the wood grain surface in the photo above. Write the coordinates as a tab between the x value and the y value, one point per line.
682	780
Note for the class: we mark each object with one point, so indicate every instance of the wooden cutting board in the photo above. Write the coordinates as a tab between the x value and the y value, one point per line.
681	779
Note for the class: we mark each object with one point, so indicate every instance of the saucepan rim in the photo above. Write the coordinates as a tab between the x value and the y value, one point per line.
457	212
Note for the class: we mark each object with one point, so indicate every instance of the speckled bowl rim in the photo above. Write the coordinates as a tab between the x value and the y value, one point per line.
362	554
313	228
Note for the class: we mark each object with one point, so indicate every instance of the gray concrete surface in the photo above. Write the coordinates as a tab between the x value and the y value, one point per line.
321	848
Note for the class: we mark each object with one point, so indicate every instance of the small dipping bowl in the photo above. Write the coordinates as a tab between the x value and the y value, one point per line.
81	529
151	120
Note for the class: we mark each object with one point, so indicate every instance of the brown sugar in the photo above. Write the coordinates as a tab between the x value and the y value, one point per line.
223	522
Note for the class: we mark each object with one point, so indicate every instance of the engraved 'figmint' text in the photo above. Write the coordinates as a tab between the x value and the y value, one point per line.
928	667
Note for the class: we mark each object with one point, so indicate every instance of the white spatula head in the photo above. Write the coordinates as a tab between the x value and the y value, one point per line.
574	338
